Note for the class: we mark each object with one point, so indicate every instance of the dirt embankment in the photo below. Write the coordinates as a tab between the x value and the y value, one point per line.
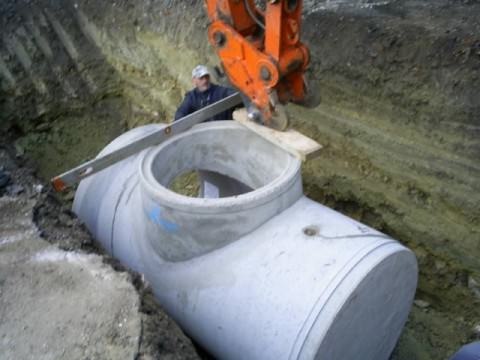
55	86
60	296
399	117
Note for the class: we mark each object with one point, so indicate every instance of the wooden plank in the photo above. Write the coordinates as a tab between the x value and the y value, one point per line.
290	140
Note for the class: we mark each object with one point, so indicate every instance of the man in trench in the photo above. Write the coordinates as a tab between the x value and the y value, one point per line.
213	185
204	93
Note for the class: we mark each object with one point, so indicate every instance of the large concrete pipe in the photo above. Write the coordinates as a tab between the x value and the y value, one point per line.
264	274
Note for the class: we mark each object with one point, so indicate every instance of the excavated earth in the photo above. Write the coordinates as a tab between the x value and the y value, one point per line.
61	297
399	119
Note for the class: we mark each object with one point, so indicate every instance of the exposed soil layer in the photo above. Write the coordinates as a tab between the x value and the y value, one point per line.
61	296
399	117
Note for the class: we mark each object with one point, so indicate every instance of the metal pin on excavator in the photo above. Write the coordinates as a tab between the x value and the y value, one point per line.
262	57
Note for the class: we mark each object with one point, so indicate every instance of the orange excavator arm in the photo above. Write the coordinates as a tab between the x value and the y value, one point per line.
261	53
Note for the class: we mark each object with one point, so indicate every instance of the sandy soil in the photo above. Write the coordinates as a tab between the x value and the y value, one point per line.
61	297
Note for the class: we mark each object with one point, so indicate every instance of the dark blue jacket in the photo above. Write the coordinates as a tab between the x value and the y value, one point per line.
468	352
195	100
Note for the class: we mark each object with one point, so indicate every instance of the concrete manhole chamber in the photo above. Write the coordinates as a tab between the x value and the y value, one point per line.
261	271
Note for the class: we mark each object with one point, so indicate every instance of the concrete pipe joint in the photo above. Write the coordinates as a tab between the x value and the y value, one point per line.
253	269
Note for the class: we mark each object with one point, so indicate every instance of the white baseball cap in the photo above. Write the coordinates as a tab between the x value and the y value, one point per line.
199	71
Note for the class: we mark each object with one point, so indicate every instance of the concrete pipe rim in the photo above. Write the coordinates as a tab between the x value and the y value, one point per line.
285	180
328	313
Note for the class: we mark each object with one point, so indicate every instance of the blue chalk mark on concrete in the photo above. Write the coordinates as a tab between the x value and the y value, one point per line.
156	217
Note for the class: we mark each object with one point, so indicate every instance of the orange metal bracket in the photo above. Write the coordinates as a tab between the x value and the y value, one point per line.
261	52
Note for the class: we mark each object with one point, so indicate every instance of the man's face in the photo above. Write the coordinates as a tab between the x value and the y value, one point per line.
202	83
